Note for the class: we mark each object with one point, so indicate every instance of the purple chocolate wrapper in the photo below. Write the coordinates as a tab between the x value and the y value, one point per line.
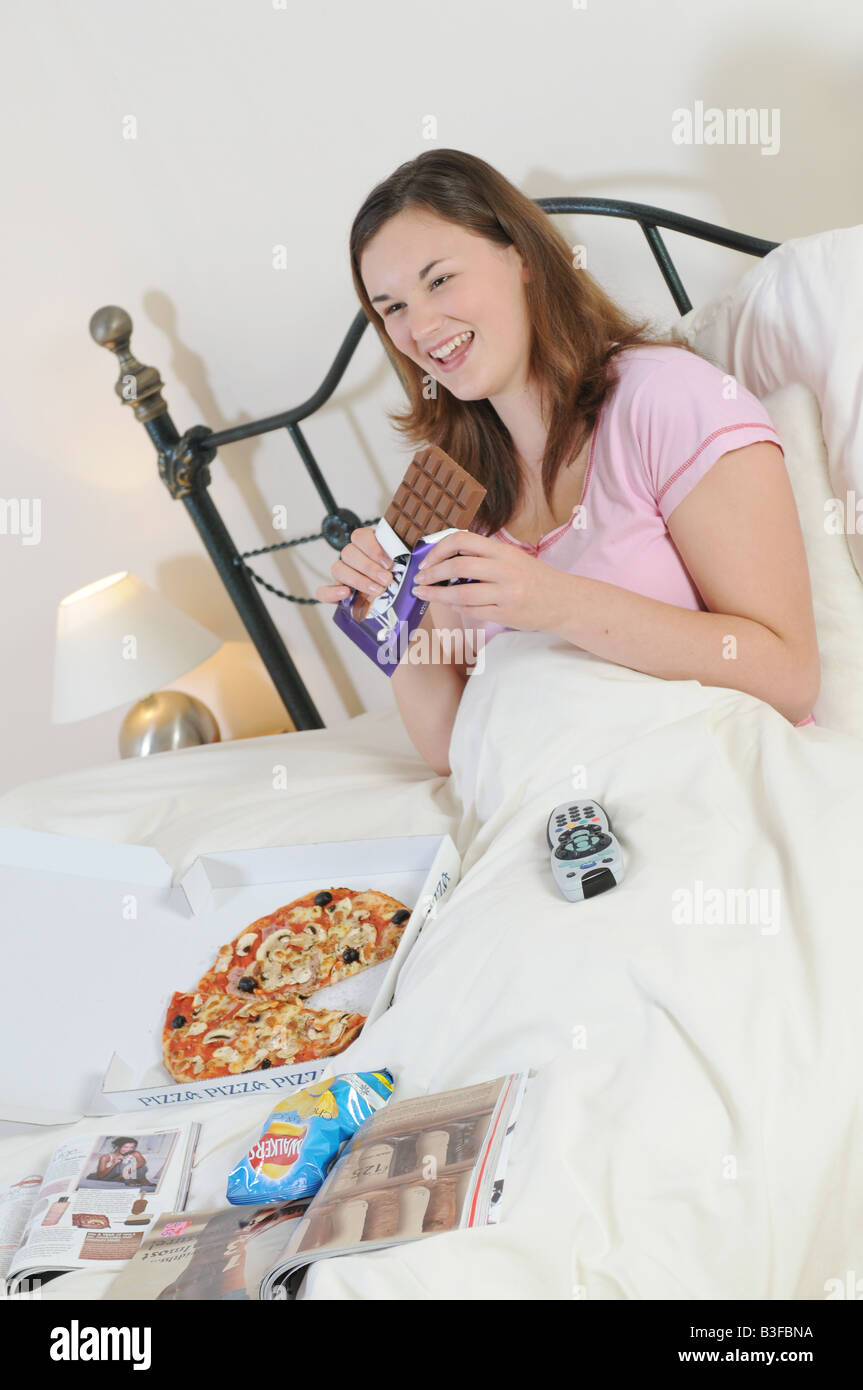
384	634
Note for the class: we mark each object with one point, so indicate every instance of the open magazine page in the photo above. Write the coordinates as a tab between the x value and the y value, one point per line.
490	1183
224	1254
417	1167
16	1204
100	1194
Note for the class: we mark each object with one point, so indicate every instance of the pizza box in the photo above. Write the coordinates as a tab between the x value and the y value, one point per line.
108	934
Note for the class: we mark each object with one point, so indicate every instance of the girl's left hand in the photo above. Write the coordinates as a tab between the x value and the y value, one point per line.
514	589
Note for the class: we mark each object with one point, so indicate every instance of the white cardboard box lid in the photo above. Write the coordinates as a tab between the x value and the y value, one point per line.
114	860
107	859
276	864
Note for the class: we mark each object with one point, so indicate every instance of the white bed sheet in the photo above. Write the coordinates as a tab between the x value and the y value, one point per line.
694	1129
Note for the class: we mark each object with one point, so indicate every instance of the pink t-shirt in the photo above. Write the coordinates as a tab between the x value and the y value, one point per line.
669	418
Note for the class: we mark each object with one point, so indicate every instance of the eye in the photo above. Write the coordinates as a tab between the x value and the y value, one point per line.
436	281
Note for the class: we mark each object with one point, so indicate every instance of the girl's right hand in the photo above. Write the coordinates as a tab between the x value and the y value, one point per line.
363	564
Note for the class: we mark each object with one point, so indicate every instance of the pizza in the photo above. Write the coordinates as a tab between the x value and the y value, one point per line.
214	1035
248	1011
311	942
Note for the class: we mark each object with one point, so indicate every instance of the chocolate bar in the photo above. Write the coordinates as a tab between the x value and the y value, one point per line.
435	493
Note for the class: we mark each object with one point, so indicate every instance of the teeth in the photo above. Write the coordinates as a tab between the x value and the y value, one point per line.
449	348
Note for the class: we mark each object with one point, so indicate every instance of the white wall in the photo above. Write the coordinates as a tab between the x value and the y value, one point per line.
266	124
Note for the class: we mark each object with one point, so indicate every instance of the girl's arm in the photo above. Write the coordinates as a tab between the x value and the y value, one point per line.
738	533
428	692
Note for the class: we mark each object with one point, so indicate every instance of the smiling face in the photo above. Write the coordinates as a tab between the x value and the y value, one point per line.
470	285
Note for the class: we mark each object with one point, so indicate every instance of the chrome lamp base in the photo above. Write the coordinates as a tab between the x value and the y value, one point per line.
164	721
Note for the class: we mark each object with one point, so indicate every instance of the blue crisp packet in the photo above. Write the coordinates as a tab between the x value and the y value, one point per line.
301	1139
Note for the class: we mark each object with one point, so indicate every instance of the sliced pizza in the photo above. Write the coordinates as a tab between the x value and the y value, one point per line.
249	1012
216	1034
308	943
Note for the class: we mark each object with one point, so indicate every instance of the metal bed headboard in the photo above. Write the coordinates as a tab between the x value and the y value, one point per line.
184	460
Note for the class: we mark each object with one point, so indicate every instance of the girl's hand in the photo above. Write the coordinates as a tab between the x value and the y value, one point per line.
363	564
514	589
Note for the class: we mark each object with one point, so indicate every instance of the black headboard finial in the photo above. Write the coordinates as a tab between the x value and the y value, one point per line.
138	386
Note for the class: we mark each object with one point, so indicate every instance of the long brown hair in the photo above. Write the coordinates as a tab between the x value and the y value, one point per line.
577	330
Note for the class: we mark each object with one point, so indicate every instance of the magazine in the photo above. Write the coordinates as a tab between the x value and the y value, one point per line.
95	1202
415	1168
224	1254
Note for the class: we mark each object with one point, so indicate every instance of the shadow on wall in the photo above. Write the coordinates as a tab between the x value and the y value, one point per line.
237	463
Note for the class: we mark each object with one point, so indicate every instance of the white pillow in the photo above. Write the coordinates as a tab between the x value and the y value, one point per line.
797	316
837	594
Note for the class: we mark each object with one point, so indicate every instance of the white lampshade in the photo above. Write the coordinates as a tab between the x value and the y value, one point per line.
117	641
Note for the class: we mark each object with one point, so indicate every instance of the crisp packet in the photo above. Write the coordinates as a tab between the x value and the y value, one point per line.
301	1139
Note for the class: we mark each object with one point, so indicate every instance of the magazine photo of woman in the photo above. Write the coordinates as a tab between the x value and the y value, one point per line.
125	1165
122	1164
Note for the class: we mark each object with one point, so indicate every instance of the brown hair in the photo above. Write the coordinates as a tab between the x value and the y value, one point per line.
577	330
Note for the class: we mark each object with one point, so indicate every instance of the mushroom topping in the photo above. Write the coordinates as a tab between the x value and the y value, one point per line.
308	936
218	1035
330	1029
274	941
249	1011
301	974
363	934
211	1007
228	1055
278	967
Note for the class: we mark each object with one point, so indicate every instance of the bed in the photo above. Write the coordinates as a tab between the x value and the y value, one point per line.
693	1129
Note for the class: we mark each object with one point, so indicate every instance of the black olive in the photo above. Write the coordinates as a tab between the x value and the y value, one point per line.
247	984
253	1018
266	1064
321	899
399	917
178	1021
350	954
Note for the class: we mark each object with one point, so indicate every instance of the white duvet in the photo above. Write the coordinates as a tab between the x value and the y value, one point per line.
694	1128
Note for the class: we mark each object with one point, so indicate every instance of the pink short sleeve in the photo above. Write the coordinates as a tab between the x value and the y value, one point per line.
686	414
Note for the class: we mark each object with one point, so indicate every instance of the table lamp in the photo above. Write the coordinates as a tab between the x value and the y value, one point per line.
117	640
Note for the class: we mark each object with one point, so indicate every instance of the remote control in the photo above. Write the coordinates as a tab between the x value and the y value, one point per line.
585	856
571	813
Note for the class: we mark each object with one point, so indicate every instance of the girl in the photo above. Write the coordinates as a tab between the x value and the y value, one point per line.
637	500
